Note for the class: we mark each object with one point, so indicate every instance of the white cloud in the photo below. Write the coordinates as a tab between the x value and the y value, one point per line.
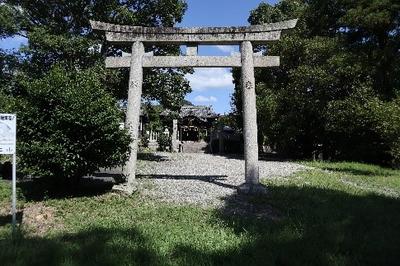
210	78
204	99
228	49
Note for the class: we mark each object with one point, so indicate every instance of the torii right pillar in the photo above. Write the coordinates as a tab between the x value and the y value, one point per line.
252	181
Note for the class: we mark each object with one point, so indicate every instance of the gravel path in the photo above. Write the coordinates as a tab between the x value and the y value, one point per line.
201	179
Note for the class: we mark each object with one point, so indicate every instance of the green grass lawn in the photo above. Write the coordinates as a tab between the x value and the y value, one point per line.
332	214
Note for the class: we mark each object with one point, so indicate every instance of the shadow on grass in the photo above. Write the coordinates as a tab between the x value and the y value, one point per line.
312	227
97	246
354	171
38	189
355	168
101	182
290	226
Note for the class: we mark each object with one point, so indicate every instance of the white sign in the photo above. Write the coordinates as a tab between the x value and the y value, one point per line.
8	133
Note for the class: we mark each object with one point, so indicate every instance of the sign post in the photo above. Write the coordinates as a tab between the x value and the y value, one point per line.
8	140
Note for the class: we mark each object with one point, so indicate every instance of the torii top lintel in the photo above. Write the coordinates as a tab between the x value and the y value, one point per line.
203	35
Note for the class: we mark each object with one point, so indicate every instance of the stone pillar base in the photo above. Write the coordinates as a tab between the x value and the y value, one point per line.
125	188
175	146
252	189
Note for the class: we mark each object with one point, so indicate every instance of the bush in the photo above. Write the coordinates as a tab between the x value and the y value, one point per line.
388	121
68	125
164	141
145	140
363	127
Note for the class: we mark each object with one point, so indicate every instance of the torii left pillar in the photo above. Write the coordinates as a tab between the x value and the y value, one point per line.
133	116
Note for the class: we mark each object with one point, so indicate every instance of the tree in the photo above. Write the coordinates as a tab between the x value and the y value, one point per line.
59	32
68	125
64	98
339	49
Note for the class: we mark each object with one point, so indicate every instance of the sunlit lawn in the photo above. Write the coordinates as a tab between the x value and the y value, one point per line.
333	214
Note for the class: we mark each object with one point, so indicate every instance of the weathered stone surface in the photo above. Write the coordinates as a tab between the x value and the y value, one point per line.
249	114
192	61
207	61
126	188
118	62
206	38
204	35
174	136
252	189
133	110
288	24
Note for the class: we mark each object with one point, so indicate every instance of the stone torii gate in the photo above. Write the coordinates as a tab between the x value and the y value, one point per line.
138	36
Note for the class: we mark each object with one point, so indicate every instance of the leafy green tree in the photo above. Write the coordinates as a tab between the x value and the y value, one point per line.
10	20
164	142
64	98
68	125
339	49
349	118
152	113
59	32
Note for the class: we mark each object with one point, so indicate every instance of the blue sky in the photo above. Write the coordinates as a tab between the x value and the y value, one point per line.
211	86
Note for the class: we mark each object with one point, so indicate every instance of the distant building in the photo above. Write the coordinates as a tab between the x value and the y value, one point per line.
195	122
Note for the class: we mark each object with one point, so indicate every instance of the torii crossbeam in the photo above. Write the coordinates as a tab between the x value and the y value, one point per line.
139	36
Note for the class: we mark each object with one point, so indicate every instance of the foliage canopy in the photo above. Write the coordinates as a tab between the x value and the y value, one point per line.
65	100
337	88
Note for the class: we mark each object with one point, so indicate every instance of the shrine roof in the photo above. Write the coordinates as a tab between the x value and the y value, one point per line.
200	111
